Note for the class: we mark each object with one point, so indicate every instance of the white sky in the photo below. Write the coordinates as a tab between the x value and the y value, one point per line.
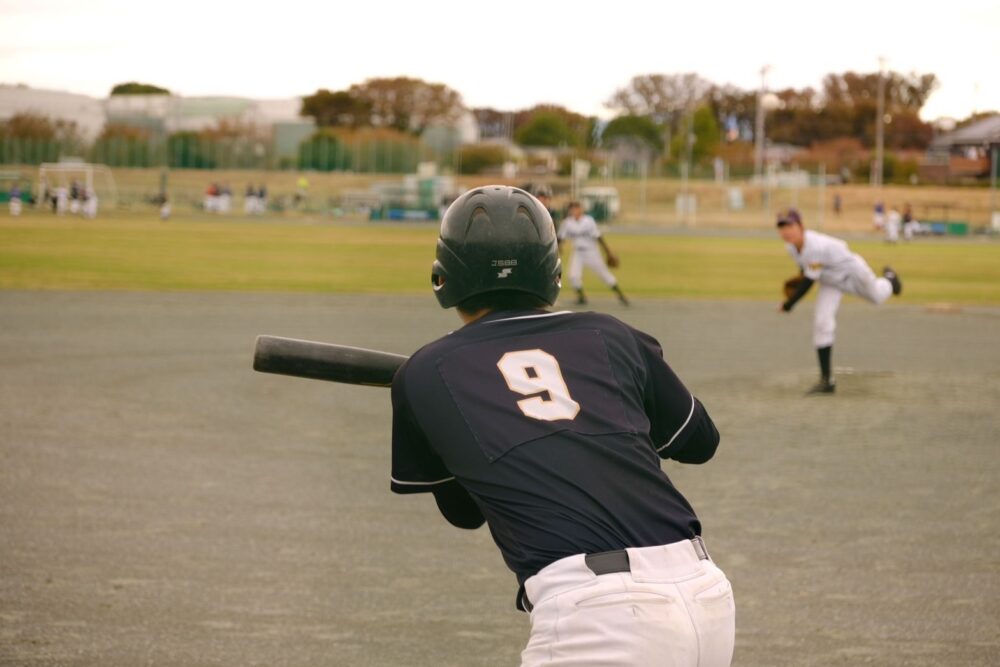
506	55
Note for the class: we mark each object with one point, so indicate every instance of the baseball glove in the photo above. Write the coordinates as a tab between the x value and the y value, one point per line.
792	285
613	262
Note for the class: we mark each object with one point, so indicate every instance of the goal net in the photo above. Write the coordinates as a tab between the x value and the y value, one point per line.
93	177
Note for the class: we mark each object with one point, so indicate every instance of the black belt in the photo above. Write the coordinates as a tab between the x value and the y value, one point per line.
609	562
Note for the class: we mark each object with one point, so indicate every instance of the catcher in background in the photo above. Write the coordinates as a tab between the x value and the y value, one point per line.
582	230
828	261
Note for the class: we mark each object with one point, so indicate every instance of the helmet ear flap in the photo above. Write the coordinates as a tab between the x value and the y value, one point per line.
438	282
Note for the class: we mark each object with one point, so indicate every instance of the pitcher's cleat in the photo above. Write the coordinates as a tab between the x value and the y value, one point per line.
823	387
897	284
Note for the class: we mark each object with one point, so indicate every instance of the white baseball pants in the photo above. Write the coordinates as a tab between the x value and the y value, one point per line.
593	260
862	282
671	609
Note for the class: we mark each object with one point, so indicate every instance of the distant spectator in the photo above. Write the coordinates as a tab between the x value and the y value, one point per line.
225	198
836	204
212	198
49	196
878	216
250	202
165	208
301	191
15	200
262	198
75	197
61	200
89	204
892	223
910	225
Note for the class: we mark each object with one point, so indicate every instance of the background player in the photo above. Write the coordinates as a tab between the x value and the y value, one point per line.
830	262
544	194
581	230
550	427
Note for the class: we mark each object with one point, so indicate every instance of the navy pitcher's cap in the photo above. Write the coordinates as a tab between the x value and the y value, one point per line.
789	217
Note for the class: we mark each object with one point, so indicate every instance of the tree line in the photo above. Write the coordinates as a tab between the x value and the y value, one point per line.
664	118
843	106
668	118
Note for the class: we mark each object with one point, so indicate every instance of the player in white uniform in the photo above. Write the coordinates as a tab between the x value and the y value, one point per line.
581	230
828	261
893	222
15	200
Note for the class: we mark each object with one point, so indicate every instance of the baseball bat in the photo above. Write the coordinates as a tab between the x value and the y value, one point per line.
325	361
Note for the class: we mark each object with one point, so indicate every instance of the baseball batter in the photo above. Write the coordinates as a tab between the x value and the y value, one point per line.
582	232
550	428
828	261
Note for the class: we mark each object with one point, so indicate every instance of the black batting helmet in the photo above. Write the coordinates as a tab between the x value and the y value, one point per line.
496	238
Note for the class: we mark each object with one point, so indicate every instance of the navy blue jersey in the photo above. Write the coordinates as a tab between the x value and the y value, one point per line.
550	426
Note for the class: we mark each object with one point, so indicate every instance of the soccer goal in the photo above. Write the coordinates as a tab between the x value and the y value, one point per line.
94	177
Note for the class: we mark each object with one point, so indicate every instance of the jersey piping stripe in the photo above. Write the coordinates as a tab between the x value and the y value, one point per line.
681	429
440	481
529	317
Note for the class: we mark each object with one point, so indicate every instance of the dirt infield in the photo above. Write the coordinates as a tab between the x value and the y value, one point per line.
161	504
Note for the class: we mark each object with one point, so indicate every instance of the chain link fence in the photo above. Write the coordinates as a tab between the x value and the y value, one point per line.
340	177
190	150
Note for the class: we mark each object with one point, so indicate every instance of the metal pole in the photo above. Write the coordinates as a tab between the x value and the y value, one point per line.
822	193
686	166
879	126
758	134
642	188
994	164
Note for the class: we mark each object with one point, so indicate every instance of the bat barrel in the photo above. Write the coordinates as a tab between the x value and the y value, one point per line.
324	361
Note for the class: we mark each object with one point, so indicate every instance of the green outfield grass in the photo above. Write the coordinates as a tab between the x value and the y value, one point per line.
141	253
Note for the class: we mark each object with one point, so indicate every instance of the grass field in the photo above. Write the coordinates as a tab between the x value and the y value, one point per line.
127	252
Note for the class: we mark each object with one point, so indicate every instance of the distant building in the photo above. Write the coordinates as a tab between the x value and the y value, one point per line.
274	121
173	113
781	155
287	136
161	114
963	153
445	137
87	112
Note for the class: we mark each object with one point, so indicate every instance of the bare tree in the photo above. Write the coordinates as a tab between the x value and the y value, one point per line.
406	104
661	95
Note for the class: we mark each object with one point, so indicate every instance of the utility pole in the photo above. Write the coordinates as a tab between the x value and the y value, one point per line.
758	133
994	165
876	178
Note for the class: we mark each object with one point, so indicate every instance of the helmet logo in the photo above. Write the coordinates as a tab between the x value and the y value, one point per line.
500	263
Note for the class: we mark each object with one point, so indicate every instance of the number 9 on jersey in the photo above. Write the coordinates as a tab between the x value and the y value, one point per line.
532	372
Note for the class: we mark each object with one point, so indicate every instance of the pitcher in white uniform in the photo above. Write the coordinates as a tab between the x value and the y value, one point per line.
828	261
581	230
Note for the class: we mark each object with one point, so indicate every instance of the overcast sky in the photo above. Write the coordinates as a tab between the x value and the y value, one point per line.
507	55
